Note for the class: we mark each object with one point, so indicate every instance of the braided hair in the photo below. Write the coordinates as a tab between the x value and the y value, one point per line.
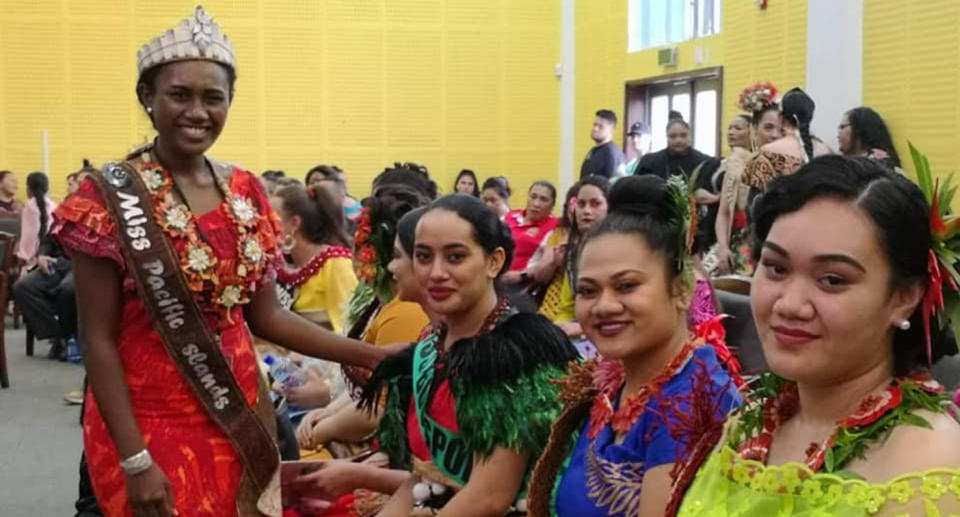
797	109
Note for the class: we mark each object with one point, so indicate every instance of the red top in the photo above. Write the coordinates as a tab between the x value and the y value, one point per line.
443	411
196	456
527	236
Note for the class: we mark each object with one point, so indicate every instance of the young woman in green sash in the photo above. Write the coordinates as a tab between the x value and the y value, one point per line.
469	408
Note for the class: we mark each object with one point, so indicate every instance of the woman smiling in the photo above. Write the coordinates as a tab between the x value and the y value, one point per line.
849	423
626	416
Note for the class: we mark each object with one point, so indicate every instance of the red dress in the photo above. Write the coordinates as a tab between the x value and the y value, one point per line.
196	456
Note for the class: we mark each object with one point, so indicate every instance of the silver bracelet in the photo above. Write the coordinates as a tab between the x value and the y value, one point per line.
139	462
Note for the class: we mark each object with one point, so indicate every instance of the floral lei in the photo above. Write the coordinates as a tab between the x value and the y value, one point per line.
608	379
777	400
229	281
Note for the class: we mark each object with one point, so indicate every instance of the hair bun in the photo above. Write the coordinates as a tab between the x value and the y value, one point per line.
640	196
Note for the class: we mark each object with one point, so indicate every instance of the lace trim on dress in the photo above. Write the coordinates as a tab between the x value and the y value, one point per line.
827	490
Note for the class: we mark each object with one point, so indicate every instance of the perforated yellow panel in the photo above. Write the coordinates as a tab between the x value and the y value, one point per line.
753	45
911	75
358	83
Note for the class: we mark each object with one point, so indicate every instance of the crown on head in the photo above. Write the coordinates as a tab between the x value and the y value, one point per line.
197	37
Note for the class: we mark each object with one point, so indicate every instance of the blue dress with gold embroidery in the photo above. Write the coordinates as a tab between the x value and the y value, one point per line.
605	478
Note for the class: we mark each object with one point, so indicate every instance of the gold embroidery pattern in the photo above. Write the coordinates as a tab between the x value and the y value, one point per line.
767	165
614	485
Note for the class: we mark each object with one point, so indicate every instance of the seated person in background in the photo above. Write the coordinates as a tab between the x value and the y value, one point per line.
271	180
8	195
319	284
529	228
46	297
590	207
390	313
496	195
34	219
332	178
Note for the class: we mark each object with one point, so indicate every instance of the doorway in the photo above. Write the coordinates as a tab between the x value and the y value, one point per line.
697	97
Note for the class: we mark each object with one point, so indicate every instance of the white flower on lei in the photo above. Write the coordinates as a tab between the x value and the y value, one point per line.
231	296
198	259
252	250
177	218
154	179
242	209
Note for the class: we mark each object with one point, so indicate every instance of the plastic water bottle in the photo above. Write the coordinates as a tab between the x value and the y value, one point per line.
284	371
73	351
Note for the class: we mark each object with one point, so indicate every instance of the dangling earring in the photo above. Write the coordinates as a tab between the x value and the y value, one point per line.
289	242
904	325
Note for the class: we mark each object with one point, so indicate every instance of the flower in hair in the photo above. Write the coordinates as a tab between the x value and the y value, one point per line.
757	96
942	259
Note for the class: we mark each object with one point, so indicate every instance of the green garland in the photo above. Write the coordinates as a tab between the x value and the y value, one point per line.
849	442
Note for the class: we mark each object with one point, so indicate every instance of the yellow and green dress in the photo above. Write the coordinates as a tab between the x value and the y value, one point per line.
736	481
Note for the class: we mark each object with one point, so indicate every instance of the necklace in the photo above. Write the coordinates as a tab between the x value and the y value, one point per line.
297	276
875	417
230	281
609	379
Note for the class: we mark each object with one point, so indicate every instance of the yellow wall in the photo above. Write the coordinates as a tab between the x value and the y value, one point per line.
911	75
358	83
753	45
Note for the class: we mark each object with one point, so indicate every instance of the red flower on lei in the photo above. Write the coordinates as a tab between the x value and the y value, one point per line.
785	405
366	255
608	378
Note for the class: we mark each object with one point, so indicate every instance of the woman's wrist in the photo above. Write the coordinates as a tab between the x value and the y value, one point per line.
137	463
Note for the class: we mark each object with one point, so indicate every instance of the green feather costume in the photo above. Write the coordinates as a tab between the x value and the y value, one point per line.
502	387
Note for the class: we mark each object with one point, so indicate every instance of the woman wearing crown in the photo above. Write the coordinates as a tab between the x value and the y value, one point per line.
175	256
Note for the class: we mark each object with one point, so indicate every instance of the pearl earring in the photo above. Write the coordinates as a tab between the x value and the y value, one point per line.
149	110
904	325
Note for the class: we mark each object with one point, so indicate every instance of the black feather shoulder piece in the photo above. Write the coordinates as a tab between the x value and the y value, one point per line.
517	346
394	367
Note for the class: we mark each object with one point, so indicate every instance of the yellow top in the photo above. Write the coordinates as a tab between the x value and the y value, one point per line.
328	290
397	322
558	302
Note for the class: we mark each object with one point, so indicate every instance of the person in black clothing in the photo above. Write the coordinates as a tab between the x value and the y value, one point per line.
46	297
680	158
604	159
